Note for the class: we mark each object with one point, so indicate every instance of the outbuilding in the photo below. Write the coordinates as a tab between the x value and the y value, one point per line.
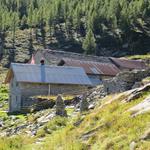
27	80
96	71
128	65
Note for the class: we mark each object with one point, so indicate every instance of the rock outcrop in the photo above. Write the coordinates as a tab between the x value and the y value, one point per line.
146	135
142	107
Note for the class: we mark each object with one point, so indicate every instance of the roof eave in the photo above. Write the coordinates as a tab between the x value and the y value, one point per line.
8	76
55	83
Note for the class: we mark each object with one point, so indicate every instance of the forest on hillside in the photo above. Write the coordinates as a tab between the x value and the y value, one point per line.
94	25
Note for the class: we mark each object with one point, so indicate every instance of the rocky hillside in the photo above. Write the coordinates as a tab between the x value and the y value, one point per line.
98	27
115	121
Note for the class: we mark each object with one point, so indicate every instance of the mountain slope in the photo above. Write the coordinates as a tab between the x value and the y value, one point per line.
109	126
101	27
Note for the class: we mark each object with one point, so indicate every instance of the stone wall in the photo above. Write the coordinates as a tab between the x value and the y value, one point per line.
14	96
29	90
125	81
20	93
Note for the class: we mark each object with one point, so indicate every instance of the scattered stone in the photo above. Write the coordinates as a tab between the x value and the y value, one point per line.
132	145
78	122
33	133
137	85
96	93
1	105
46	118
60	107
40	140
91	133
134	96
91	106
141	108
146	135
125	81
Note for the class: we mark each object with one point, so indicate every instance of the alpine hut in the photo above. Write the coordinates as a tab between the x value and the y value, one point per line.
27	80
96	71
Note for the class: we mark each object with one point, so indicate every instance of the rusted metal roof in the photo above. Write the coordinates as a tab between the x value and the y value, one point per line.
52	57
90	67
128	64
48	74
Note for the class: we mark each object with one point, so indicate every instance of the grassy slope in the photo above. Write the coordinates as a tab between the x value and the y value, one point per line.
112	126
147	56
109	126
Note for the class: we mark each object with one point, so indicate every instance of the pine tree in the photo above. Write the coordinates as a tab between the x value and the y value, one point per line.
30	22
23	23
15	20
89	43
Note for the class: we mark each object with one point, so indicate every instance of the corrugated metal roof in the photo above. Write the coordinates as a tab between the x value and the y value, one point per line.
129	64
49	74
91	67
54	56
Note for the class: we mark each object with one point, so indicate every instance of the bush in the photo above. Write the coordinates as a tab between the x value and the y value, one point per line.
3	92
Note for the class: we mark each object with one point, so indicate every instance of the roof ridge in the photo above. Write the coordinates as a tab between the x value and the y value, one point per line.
52	74
88	61
66	52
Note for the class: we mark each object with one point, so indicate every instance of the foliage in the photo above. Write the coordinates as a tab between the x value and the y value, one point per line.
3	93
111	127
89	44
52	97
56	124
108	126
143	57
15	143
105	23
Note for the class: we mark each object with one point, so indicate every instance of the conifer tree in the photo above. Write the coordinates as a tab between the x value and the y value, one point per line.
89	43
15	20
23	23
30	22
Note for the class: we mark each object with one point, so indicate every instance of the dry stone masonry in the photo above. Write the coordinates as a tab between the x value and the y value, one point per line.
60	107
84	105
125	81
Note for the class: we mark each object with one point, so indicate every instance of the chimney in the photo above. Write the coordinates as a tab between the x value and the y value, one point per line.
42	70
32	60
42	61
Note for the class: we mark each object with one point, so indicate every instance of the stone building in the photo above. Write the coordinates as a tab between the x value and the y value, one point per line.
27	80
96	71
128	65
52	57
97	68
125	80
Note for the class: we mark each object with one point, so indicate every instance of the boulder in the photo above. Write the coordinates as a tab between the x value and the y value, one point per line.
91	106
137	85
141	108
146	135
132	145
